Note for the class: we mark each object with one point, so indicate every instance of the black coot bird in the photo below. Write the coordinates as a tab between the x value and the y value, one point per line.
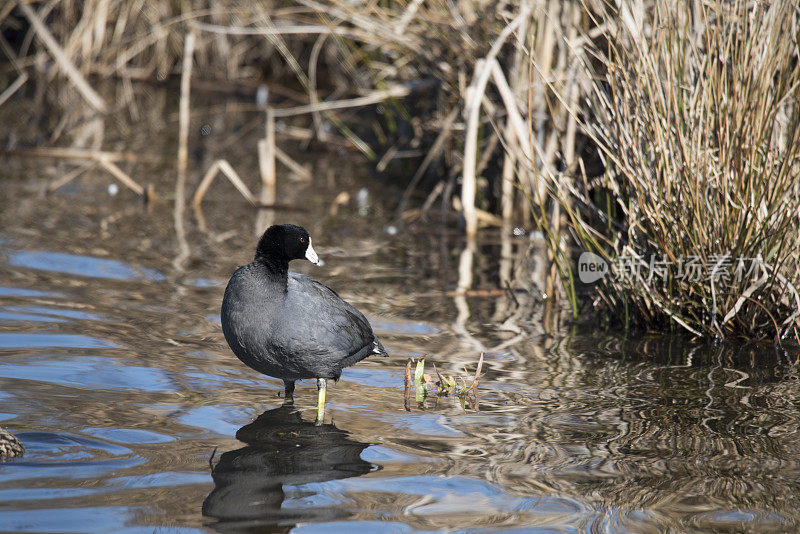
288	325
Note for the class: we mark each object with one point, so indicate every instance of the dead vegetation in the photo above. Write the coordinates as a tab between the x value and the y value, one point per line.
629	129
698	121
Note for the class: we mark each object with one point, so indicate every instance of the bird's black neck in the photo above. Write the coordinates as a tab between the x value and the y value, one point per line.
271	259
276	268
273	264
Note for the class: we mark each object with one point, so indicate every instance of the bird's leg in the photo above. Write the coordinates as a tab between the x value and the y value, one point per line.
322	385
288	392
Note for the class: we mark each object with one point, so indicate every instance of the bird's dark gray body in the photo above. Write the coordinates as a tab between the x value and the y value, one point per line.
293	328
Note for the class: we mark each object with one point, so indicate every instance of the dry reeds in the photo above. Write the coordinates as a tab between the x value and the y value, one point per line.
693	109
698	120
450	57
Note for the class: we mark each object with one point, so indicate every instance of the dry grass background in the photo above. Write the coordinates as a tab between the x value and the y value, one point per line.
698	121
628	128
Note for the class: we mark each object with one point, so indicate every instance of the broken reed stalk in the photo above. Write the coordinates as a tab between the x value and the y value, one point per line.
225	168
11	89
96	157
183	150
475	380
472	106
184	105
375	97
76	153
293	165
266	161
266	165
120	175
80	83
67	178
465	260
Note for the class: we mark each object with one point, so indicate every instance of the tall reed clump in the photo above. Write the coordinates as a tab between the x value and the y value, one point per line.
696	111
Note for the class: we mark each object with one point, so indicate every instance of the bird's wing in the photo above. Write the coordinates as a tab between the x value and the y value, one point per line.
324	321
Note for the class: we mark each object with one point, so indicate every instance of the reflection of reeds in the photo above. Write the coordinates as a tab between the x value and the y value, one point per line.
620	432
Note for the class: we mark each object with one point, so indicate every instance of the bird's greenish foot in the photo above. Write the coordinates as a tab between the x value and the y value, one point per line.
322	386
288	392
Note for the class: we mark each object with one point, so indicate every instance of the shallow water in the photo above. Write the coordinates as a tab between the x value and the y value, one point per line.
136	417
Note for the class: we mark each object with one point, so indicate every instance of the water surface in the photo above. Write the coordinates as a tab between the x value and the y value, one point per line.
136	417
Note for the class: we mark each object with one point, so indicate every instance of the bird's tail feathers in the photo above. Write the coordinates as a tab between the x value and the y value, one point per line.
378	349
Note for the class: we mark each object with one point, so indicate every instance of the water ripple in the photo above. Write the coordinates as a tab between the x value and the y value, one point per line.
80	265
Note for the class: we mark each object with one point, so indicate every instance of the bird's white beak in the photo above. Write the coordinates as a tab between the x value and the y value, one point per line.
310	254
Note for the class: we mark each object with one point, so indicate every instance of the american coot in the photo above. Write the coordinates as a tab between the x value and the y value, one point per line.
288	325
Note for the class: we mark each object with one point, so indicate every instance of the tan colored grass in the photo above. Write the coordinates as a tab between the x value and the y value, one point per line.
693	106
696	113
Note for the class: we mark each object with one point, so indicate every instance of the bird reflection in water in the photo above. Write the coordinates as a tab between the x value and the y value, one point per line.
282	450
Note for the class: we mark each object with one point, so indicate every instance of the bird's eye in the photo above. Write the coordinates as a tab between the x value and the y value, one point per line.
302	239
